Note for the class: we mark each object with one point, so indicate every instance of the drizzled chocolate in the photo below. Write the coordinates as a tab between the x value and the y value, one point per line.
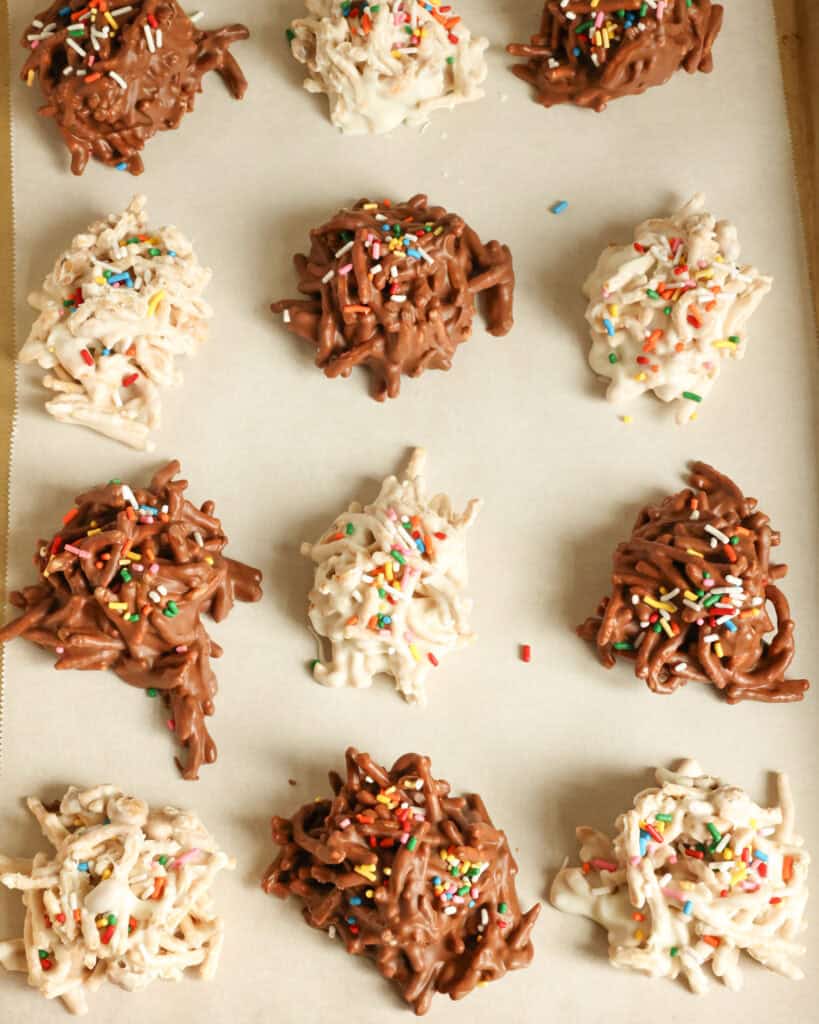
692	594
416	879
392	287
123	585
588	53
113	74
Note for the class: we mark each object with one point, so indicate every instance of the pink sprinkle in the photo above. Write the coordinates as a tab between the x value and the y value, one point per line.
137	567
171	724
674	894
154	568
77	551
186	856
392	515
603	865
60	650
473	892
345	823
377	251
599	19
634	861
672	859
660	9
344	271
181	649
404	838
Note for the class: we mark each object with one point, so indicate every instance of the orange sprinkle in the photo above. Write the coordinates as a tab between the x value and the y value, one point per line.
712	940
93	78
679	347
159	888
356	309
352	621
787	869
72	514
729	551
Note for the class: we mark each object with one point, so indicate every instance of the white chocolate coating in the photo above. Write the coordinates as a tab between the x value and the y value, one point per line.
106	861
381	77
690	264
669	911
412	550
108	355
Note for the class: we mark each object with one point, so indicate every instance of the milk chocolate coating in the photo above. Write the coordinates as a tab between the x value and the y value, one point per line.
670	548
176	572
431	925
96	115
351	316
568	66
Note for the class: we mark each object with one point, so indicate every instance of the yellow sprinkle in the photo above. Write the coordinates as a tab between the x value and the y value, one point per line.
598	38
704	275
117	606
687	886
627	419
718	649
690	595
208	559
367	870
91	533
724	344
30	77
107	873
155	300
638	935
110	19
691	551
134	556
387	872
640	377
369	893
99	280
727	853
666	627
659	604
388	569
738	875
614	309
414	652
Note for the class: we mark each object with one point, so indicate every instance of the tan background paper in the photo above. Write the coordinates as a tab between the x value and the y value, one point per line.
518	421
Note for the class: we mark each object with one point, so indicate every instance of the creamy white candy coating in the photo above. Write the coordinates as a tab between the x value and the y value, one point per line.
124	897
667	309
385	64
117	309
695	875
390	587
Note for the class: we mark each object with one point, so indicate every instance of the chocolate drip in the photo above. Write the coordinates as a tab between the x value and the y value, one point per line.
368	866
124	587
664	614
644	47
111	87
392	287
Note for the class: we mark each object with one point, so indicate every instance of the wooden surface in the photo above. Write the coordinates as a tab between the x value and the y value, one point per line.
798	24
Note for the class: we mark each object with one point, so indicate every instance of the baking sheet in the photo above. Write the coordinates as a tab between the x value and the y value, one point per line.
519	422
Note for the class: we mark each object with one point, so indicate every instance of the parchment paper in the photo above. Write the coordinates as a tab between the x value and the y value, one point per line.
519	422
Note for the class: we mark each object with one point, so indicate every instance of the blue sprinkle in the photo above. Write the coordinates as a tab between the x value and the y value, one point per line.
577	51
471	903
730	625
171	252
415	253
123	166
118	277
761	856
350	920
83	865
149	509
63	11
609	327
355	901
436	880
386	620
385	227
560	207
106	351
688	906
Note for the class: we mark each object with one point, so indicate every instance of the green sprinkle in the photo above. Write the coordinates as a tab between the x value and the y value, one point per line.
675	950
67	303
715	832
163	860
710	600
657	627
154	252
133	618
291	35
172	605
450	60
667	818
643	9
502	908
398	557
582	28
463	890
735	540
706	575
412	842
125	575
349	529
313	663
667	310
652	294
382	593
692	396
112	919
734	338
42	954
623	647
612	358
151	691
132	241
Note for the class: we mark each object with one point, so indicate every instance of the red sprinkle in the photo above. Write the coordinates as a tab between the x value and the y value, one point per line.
107	935
525	653
433	659
87	358
129	379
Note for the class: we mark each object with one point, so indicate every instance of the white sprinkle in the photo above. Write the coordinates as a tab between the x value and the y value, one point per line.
733	579
200	540
376	269
68	70
37	23
425	255
328	277
691	605
680	667
723	842
118	79
331	932
75	46
393	271
120	11
695	514
195	17
398	298
635	598
603	890
721	537
345	249
671	594
286	316
149	37
367	578
570	15
162	590
757	601
159	39
665	880
450	911
711	638
725	618
129	495
152	594
117	399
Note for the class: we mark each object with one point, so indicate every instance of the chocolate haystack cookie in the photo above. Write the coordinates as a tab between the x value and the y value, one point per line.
393	286
123	585
590	52
692	593
418	880
114	74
